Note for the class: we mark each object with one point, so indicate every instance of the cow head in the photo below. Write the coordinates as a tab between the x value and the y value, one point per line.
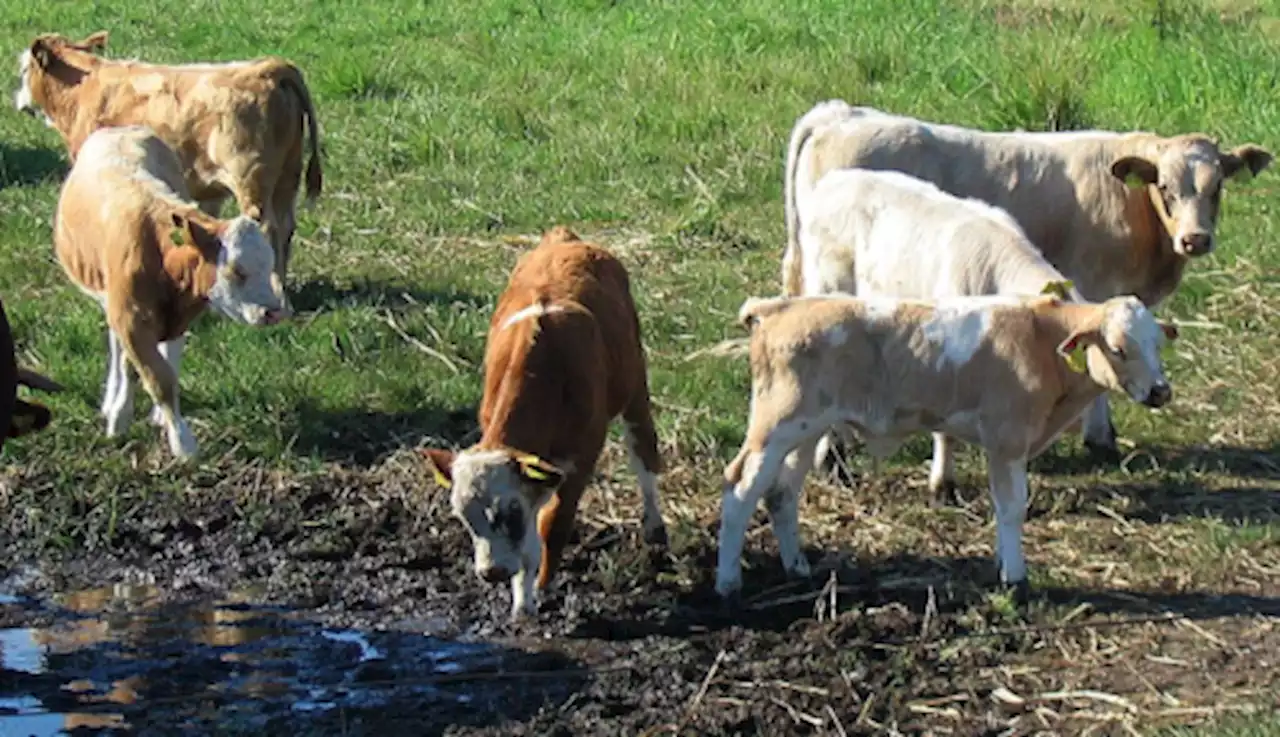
245	287
1126	339
52	58
1185	183
497	495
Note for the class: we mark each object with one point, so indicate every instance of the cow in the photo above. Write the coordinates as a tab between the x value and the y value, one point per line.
19	417
879	232
563	359
1116	212
1003	372
236	127
127	233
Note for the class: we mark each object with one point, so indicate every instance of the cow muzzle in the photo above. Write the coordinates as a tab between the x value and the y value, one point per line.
1159	396
1194	244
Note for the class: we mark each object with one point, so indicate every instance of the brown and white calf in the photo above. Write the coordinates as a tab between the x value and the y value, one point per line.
237	128
563	359
127	234
17	416
1066	190
993	371
869	233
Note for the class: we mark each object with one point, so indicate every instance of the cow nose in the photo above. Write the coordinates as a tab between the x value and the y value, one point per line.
495	574
1195	244
1159	395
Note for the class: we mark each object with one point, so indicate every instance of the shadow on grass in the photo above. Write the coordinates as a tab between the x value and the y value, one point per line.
769	602
24	167
324	294
361	437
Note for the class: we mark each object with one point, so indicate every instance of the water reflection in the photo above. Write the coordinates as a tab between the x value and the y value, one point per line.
119	658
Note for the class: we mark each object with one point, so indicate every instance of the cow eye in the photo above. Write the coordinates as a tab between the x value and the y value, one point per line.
1119	352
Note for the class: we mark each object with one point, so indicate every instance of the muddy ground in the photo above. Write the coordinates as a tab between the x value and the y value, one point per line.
915	639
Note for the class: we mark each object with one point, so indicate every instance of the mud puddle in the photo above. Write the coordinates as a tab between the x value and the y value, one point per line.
122	660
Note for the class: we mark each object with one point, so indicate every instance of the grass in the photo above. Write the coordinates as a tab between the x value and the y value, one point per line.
657	128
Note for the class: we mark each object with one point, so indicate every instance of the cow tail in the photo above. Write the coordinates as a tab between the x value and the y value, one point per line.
315	175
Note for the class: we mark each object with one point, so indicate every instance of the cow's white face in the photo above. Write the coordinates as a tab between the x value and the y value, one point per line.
246	287
1187	179
22	97
1130	340
497	495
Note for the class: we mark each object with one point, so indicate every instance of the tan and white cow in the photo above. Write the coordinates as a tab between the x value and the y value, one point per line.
238	128
564	358
1066	190
869	233
128	235
998	372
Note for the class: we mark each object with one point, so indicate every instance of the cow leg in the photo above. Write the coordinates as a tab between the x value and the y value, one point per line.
524	593
759	473
942	472
160	381
1008	481
117	400
783	505
1099	432
171	350
283	218
833	449
642	448
555	522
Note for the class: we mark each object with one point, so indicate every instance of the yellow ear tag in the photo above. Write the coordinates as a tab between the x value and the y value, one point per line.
529	467
1133	181
175	235
441	479
1076	360
1061	289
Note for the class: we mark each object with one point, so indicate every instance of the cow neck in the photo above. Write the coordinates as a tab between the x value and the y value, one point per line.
527	392
192	270
1055	322
1154	267
59	91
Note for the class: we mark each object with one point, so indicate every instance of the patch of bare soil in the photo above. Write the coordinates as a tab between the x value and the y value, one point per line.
901	627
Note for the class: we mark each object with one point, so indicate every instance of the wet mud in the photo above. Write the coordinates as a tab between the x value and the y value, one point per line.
344	603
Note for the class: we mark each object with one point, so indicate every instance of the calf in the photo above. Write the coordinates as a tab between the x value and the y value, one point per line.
993	371
19	417
886	233
1067	190
127	234
237	128
563	359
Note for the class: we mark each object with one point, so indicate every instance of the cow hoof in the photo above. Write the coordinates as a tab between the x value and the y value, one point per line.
799	570
1019	593
730	603
944	495
1103	453
657	536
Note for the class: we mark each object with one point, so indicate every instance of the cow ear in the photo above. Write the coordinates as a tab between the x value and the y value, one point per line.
1072	351
94	42
42	53
1135	171
1245	162
1169	329
538	472
28	417
441	463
